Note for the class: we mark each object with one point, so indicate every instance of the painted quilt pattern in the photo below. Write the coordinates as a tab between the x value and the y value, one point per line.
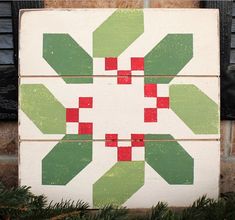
118	107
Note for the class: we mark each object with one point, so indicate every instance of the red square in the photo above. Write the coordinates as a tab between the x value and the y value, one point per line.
163	102
85	102
124	77
137	140
137	63
110	63
111	140
124	153
72	114
85	128
150	90
150	115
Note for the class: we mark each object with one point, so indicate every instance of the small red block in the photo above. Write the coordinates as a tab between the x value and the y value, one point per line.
124	153
150	115
110	63
85	128
163	102
124	77
72	115
137	63
137	140
85	102
150	90
111	140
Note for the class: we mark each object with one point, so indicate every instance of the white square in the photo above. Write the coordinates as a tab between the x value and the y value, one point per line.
72	128
137	153
124	63
124	143
162	90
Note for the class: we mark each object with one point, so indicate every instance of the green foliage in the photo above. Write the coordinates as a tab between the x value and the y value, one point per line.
20	204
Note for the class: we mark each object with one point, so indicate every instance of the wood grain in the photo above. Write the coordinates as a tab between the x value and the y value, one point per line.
174	4
93	4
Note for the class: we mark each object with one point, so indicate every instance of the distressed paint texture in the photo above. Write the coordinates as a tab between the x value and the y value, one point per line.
112	37
125	177
42	108
195	108
169	56
66	160
67	58
169	159
109	116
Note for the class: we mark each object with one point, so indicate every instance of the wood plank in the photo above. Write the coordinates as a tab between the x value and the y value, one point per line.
5	9
6	41
5	25
6	57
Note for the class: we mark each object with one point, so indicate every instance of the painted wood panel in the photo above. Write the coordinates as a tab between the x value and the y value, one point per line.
106	103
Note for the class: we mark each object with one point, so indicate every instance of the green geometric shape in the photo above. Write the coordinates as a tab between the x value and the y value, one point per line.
117	32
169	56
39	104
66	160
157	80
67	58
80	80
169	159
118	184
195	109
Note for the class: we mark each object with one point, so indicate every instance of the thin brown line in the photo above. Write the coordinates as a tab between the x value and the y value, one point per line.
114	76
103	140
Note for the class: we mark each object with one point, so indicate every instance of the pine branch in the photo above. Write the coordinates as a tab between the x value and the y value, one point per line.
161	212
66	215
110	213
19	203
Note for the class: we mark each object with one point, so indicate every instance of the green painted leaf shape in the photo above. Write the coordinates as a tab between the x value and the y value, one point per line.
169	159
41	106
67	58
66	160
115	34
118	184
195	108
169	56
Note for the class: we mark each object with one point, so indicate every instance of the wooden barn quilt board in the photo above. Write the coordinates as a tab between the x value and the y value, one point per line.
120	106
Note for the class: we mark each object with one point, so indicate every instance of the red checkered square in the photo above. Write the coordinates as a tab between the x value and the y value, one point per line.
150	115
124	77
110	63
137	63
85	102
72	114
111	140
137	140
85	128
163	102
124	153
150	90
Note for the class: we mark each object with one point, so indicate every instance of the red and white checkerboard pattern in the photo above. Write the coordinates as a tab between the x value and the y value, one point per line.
151	91
127	150
124	76
73	123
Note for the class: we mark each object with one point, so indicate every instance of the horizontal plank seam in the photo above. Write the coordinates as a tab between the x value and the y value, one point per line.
85	76
103	140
